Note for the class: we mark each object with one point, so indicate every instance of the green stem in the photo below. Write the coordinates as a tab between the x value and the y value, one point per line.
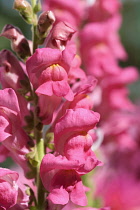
40	188
40	193
39	155
34	36
37	125
33	2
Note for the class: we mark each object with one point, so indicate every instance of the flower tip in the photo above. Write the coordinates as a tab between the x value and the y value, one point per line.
51	16
20	4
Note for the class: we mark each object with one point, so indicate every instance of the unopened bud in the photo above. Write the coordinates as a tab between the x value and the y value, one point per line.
24	9
59	35
46	20
45	23
10	32
18	42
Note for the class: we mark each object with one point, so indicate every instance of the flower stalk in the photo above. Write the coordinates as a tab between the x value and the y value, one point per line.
37	124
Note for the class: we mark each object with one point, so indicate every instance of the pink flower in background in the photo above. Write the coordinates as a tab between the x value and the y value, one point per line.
119	190
103	48
102	10
8	188
115	93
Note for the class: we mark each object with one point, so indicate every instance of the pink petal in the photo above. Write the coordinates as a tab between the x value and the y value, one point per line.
45	89
59	196
77	195
9	99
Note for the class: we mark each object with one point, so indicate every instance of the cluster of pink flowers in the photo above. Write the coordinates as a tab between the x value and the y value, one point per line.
49	105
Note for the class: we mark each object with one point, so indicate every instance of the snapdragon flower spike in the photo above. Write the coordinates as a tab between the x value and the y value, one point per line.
12	135
8	188
63	182
18	42
47	70
59	35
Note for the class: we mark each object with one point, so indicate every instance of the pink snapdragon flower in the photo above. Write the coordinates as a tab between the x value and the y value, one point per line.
13	137
8	188
72	139
47	70
73	122
63	182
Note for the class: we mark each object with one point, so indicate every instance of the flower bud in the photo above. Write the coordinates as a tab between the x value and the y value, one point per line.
18	42
44	25
24	9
